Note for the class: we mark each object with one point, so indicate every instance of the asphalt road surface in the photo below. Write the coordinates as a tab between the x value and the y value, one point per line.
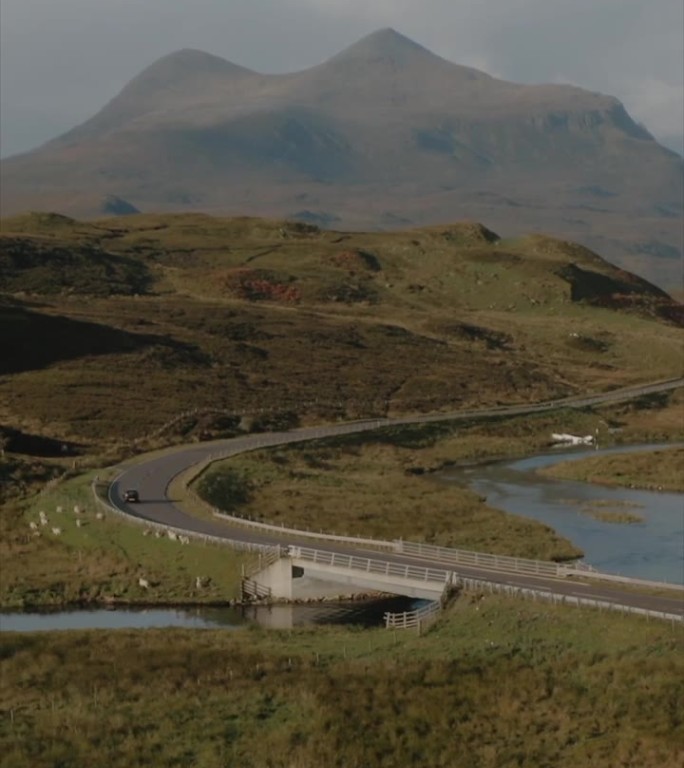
152	478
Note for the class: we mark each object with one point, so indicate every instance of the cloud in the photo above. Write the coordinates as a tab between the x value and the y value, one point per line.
658	104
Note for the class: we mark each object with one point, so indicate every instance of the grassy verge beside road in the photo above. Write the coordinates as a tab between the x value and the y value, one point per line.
96	560
498	682
367	490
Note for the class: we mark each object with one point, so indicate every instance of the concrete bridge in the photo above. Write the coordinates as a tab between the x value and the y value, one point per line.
278	575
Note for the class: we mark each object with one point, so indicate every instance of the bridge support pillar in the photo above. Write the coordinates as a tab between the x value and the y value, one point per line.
278	578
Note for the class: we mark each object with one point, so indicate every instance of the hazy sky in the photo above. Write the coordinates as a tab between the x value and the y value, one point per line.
62	60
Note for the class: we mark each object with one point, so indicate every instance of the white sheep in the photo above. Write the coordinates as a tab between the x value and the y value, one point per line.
57	531
198	582
77	509
157	534
99	516
172	535
79	523
33	526
43	521
144	583
59	510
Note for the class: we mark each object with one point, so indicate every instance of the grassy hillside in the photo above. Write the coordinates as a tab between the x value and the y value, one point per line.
115	328
497	683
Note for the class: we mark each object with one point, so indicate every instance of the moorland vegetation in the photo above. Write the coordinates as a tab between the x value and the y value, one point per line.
128	335
497	683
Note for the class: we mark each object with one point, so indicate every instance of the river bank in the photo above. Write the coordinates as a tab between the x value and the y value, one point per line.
660	470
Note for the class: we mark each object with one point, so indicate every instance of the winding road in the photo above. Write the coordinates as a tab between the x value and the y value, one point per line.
152	478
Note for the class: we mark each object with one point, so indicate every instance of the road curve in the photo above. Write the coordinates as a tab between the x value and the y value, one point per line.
153	477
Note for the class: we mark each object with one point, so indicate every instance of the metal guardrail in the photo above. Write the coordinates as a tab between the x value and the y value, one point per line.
300	532
479	559
521	565
559	599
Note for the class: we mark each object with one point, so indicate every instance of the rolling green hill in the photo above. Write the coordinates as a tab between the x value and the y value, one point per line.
114	328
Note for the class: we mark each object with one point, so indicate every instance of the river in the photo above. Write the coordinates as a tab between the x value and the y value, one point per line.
650	549
366	613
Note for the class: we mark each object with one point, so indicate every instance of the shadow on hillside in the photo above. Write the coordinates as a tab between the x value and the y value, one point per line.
31	340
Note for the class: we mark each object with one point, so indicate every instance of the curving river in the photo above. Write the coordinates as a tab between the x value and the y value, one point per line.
650	549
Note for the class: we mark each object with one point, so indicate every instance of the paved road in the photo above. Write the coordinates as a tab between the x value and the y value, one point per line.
152	479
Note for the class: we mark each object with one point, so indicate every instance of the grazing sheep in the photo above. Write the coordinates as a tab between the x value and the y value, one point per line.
172	535
147	532
77	509
43	521
57	531
59	510
198	582
33	526
157	534
144	583
184	539
79	523
99	516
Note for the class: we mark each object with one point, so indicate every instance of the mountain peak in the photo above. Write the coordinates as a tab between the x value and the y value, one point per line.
388	50
181	65
383	44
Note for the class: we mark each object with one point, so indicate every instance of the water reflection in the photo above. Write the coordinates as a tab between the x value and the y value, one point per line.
367	613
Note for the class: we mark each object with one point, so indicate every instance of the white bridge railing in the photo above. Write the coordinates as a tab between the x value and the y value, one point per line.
372	566
413	619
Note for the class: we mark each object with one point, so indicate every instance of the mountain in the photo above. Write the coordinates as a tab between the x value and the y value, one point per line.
383	134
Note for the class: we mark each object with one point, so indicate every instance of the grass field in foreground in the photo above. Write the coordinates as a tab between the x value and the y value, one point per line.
496	683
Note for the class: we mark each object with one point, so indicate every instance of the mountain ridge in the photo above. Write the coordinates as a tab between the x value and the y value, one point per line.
383	131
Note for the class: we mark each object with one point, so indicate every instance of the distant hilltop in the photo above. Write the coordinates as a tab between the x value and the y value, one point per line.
383	134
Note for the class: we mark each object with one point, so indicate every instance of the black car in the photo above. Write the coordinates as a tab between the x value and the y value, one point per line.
131	496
